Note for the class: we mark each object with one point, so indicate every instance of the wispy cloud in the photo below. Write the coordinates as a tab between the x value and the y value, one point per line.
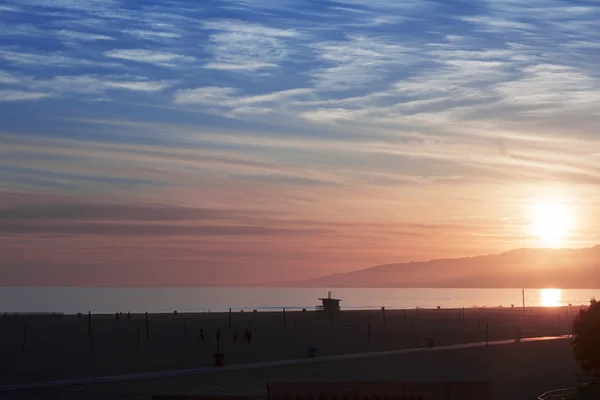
206	95
358	61
84	36
547	87
20	30
219	96
242	46
6	8
97	84
497	24
152	35
7	78
158	58
142	86
71	208
20	95
150	230
71	4
248	28
388	5
51	59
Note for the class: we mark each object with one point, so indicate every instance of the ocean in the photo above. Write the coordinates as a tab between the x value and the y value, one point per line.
71	300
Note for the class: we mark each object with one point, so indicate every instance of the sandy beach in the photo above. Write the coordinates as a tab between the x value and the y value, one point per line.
515	372
59	347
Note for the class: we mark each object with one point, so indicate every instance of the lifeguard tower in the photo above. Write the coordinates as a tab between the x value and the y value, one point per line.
330	306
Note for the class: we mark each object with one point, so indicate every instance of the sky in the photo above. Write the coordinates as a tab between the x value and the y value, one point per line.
159	142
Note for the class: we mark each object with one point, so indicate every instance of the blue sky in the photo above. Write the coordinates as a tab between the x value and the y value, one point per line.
427	126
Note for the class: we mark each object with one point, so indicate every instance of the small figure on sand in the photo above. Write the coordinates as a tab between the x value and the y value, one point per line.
201	335
235	336
249	337
245	337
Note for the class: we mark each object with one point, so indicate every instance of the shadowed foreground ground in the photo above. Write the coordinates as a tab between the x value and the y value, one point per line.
516	371
60	348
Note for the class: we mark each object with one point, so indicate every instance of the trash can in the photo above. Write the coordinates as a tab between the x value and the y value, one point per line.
219	359
430	342
312	351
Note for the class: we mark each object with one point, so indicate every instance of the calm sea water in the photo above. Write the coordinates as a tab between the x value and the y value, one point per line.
109	300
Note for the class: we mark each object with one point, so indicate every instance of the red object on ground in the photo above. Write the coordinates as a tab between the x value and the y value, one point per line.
219	359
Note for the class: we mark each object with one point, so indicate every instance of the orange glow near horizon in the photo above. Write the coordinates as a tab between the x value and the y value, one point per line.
550	297
551	222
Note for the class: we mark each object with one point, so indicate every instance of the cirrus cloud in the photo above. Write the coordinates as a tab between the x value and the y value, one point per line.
158	58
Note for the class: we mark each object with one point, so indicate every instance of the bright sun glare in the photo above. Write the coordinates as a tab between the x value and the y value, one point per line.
550	297
551	222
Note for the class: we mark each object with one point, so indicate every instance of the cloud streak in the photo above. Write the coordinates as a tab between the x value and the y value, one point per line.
52	59
83	36
146	230
162	59
89	84
152	35
241	46
357	61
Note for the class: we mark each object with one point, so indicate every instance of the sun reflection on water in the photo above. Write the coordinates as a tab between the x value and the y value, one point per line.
550	297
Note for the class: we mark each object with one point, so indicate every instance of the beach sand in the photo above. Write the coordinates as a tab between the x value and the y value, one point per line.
59	347
515	371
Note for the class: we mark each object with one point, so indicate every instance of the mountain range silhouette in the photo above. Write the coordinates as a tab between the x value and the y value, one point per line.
527	268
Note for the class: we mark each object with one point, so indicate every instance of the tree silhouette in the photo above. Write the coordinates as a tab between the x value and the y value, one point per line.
586	329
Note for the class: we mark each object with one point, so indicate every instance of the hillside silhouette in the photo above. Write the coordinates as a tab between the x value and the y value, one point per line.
562	268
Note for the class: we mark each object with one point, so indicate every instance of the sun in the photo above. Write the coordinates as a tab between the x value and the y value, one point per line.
550	297
551	222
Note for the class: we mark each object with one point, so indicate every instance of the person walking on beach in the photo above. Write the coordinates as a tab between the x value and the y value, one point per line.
201	335
245	334
235	336
249	337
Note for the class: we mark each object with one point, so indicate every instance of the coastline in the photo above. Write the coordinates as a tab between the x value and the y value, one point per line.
164	300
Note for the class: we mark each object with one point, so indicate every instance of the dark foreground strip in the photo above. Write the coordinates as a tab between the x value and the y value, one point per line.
298	361
204	397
